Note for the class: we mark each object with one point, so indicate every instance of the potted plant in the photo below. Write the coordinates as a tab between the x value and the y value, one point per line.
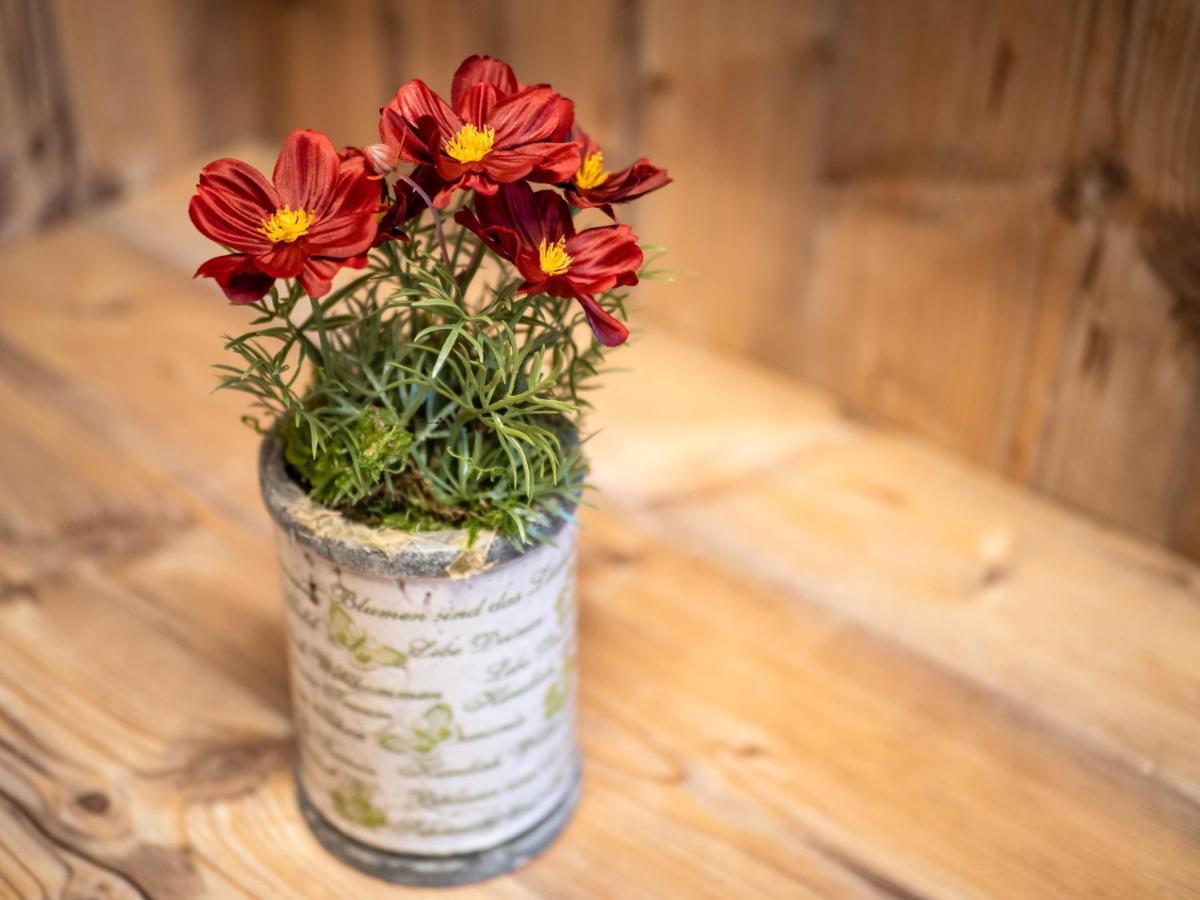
422	454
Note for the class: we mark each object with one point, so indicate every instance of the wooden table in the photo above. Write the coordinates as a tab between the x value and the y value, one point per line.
817	659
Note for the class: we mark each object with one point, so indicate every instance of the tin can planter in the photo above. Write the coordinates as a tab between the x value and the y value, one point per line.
433	689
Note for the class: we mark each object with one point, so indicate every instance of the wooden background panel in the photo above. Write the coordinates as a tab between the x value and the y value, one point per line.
731	105
976	219
978	272
380	44
923	299
99	98
39	173
1124	435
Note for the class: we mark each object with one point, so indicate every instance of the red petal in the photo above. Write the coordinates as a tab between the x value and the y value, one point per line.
482	70
283	260
609	331
602	258
636	181
391	224
220	219
544	161
479	183
417	122
240	180
317	277
554	216
306	171
532	217
528	263
232	200
558	165
349	226
586	144
500	239
442	198
535	114
566	119
356	188
477	104
238	277
341	236
506	166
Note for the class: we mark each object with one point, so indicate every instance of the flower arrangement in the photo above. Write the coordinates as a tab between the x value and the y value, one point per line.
443	386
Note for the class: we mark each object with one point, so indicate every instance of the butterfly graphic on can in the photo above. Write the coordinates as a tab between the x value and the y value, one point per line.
365	652
433	727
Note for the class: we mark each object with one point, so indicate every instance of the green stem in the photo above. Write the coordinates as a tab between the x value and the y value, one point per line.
458	242
318	317
437	218
297	331
467	275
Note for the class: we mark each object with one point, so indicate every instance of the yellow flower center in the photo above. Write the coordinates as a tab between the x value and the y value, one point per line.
553	258
286	225
471	144
591	174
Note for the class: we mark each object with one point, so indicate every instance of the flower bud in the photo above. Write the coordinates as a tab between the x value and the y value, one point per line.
381	157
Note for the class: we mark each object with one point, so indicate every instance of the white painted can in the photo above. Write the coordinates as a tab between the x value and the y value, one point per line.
433	681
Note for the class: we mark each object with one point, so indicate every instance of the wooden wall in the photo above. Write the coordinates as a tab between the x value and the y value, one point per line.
977	219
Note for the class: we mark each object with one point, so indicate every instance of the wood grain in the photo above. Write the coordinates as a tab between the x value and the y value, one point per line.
818	659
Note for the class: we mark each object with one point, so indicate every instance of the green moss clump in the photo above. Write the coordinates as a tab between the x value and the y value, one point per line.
338	471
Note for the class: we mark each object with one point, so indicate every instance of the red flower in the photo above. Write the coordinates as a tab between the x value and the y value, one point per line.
317	216
536	234
497	132
592	186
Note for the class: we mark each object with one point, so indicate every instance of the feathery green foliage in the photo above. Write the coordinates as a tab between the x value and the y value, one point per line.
434	401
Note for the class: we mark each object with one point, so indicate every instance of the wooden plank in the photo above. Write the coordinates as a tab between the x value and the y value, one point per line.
395	42
979	271
715	767
925	296
149	85
99	98
427	39
1124	428
913	318
600	73
199	734
146	348
731	106
1072	624
40	177
1123	437
106	509
155	219
855	747
855	163
325	70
